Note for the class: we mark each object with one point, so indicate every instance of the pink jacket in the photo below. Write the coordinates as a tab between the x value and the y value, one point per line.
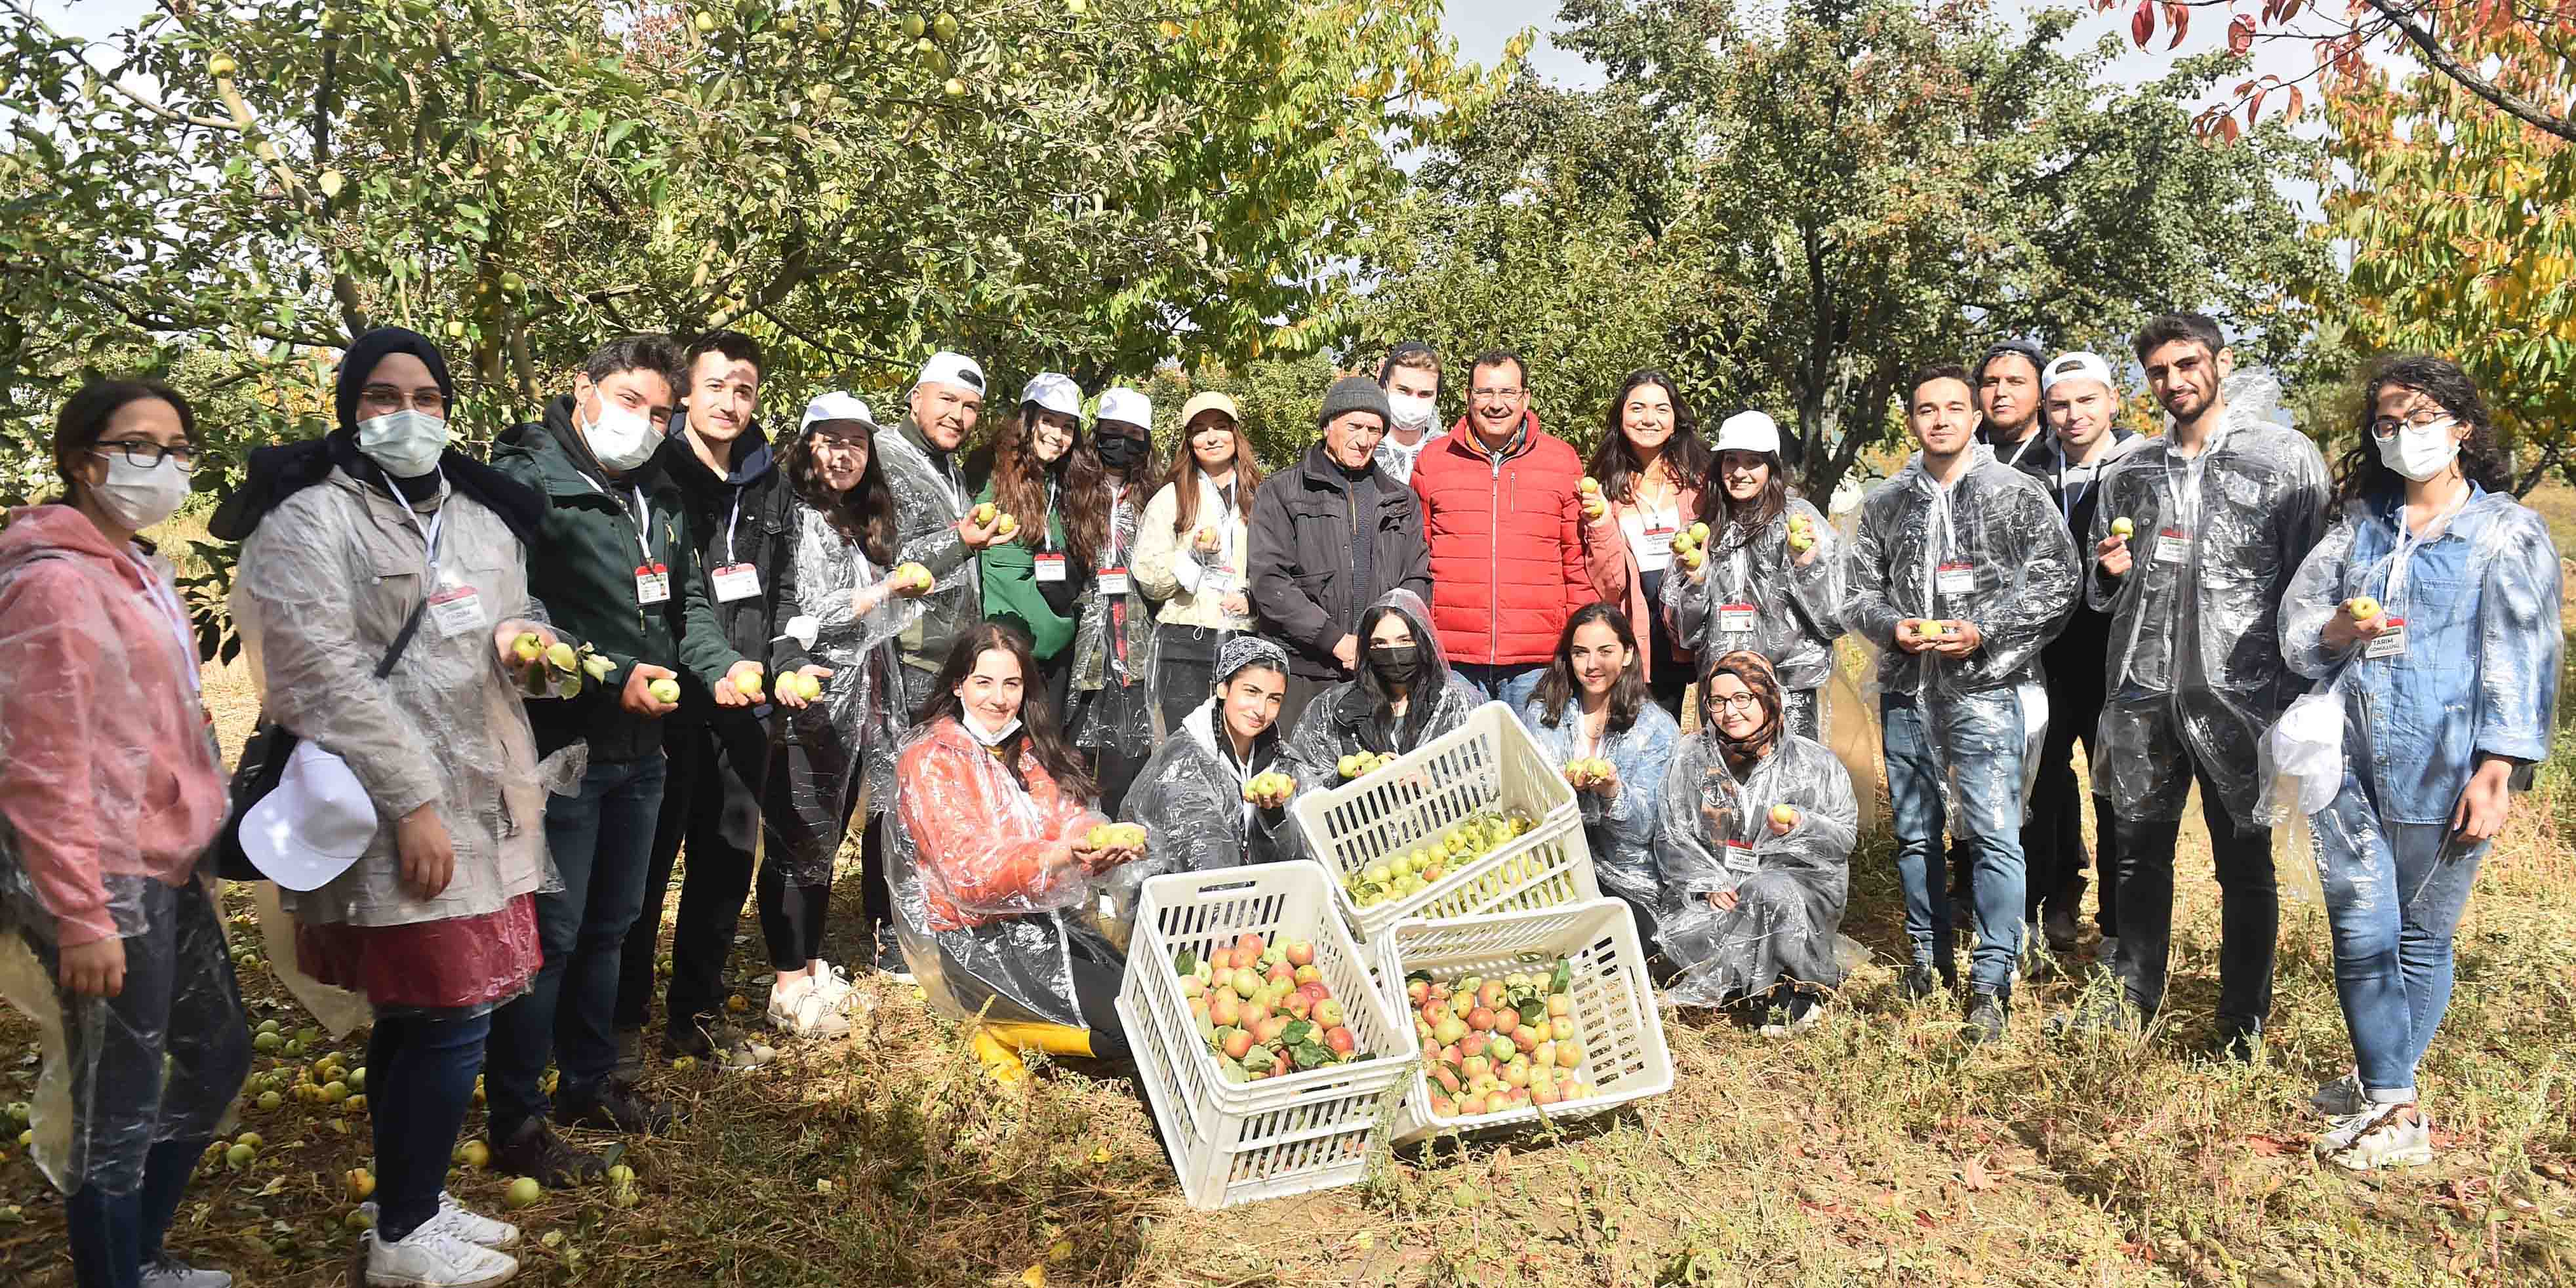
107	758
1615	573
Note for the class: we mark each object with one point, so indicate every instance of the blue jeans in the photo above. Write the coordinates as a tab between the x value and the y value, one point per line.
421	1073
602	841
2393	900
1511	684
1975	744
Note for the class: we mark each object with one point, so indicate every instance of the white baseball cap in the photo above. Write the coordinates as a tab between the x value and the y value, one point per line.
946	368
1054	392
1127	405
316	822
838	406
2075	366
1748	431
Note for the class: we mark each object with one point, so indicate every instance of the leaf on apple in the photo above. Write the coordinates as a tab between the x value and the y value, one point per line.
1186	963
1563	979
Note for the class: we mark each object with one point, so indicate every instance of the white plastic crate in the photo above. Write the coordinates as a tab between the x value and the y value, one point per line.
1612	1001
1490	763
1239	1142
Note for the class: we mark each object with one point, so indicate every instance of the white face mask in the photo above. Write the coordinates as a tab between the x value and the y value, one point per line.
621	437
406	443
2420	451
1411	413
139	496
975	729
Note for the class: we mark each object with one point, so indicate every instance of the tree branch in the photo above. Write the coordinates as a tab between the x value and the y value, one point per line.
80	54
2440	59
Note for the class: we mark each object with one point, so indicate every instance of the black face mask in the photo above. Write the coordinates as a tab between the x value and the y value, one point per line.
1396	663
1118	451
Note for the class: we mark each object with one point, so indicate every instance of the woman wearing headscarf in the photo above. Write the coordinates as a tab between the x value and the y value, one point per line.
435	922
2431	609
842	614
1755	849
110	791
1593	705
992	847
1404	696
1771	578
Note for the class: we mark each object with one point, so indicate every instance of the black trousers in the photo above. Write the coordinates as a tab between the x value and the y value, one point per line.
2053	840
711	808
810	795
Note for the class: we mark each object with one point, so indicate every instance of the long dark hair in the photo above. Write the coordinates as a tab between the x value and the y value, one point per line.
1106	487
864	514
2363	479
85	415
1733	527
1038	733
1020	486
1558	687
1614	463
1182	478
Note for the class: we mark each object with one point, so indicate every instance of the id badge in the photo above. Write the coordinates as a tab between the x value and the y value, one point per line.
1050	567
1740	862
1655	549
2173	545
653	584
735	581
2388	643
456	610
1113	581
1736	619
1955	578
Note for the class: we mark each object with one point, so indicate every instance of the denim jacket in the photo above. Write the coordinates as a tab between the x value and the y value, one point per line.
1621	831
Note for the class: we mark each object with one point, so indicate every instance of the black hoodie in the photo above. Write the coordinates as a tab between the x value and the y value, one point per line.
738	518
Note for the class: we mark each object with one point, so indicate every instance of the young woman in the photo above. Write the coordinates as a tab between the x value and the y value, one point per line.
110	790
1190	553
1772	578
991	849
842	615
435	923
1755	846
1195	797
2449	689
1036	579
1593	705
1109	713
1650	465
1404	697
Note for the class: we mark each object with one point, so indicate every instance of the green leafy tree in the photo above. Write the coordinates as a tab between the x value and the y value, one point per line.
1797	218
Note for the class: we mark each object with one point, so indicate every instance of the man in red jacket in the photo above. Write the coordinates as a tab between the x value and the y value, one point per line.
1505	525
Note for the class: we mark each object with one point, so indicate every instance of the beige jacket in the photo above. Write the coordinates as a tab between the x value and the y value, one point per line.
1192	585
325	583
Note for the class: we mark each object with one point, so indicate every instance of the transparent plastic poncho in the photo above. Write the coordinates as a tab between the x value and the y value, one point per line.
854	726
928	502
1715	834
2475	673
1189	799
1346	718
1990	549
1621	830
1114	681
982	882
1756	596
2194	654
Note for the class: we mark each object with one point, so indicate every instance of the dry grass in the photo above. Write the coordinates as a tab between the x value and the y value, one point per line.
1876	1149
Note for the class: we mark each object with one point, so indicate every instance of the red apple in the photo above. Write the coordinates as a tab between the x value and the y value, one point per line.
1505	1020
1314	990
1248	948
1310	973
1237	1043
1471	1106
1526	1041
1480	1019
1199	1007
1221	961
1474	1044
1254	1013
1444	1107
1269	1030
1225	1010
1491	994
1329	1012
1451	1055
1283	973
1301	953
1445	1080
1296	1006
1340	1040
1279	1068
1419	991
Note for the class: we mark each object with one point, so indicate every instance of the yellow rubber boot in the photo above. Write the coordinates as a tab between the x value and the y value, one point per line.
1054	1039
1001	1060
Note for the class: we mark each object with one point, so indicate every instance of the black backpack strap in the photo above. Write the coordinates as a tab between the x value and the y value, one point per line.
402	639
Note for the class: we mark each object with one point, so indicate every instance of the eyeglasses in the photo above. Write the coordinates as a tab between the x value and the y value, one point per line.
146	453
2421	418
1740	702
1508	391
380	400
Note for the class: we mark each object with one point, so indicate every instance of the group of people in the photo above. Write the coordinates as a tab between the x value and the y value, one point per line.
996	649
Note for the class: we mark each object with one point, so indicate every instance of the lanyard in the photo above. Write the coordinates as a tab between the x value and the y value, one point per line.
730	521
428	542
644	518
2435	529
166	600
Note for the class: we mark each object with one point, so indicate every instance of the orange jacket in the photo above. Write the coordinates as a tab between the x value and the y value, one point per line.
984	842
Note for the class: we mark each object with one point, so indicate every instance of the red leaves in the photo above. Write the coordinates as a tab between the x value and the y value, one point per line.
2142	24
2240	34
1973	1176
2178	17
2271	1146
2291	113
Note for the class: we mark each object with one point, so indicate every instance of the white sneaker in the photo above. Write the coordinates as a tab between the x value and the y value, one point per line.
463	1222
833	983
2340	1098
170	1272
434	1257
801	1009
2382	1135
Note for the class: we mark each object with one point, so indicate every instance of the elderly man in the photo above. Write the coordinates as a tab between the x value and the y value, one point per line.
1330	535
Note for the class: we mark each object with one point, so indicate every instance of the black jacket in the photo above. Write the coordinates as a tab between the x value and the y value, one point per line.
2073	661
1304	557
736	518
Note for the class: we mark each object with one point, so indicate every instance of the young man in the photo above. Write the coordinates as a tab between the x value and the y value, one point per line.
730	490
1960	571
2082	409
2008	396
613	565
1331	534
1411	378
1505	524
2197	535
